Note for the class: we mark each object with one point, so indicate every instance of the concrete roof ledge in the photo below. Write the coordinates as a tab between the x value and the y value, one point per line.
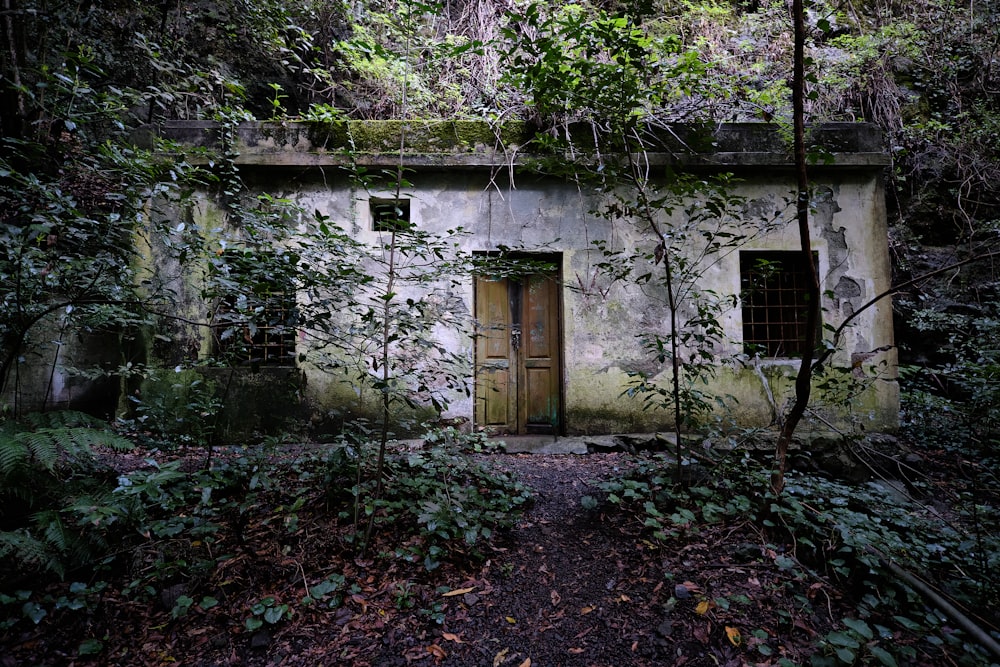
457	143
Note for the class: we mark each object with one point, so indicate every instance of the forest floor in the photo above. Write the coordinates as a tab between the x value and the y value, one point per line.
576	587
567	586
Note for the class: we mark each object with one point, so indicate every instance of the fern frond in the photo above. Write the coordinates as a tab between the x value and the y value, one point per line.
63	419
28	552
13	455
97	511
92	437
67	543
52	529
44	447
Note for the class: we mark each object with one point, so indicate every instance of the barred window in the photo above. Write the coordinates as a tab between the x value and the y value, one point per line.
774	287
255	318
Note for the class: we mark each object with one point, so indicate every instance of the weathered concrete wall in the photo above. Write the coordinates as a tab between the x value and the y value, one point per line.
464	182
63	368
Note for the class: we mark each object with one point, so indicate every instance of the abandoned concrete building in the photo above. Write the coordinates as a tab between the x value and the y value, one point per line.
556	350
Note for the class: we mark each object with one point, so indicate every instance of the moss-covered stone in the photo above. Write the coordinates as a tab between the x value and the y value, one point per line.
435	136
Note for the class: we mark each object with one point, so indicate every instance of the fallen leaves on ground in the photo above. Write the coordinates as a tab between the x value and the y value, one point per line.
568	586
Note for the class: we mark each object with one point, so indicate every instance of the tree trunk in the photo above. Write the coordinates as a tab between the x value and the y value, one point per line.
803	379
12	109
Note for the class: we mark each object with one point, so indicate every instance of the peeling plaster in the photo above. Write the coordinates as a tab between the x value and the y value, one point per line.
461	181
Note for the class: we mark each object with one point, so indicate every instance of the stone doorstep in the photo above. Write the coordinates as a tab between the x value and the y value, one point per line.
541	444
577	444
548	444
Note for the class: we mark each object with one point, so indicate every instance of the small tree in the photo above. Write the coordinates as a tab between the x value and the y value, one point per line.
75	190
72	196
625	88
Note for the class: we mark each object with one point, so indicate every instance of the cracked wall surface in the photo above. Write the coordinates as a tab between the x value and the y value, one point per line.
602	318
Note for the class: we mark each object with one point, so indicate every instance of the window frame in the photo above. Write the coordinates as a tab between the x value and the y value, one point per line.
253	342
775	311
385	221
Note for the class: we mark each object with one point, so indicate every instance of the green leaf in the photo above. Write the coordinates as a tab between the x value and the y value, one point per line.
860	627
883	656
90	647
785	563
182	606
846	655
323	588
907	623
274	614
35	612
842	639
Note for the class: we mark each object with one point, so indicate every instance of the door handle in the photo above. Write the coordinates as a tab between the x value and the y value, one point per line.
515	338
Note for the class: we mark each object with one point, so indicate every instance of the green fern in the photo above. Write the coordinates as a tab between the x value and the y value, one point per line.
53	530
46	447
20	550
48	482
92	437
63	419
50	446
13	455
70	545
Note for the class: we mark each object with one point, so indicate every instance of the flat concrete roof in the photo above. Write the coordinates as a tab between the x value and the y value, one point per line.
442	144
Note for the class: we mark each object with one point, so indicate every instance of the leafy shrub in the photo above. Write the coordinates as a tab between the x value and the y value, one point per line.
440	501
649	490
838	531
184	514
178	407
455	502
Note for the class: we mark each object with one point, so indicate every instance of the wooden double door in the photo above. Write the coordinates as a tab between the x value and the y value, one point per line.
518	354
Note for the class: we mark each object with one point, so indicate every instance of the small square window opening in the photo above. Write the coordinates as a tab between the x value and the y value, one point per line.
390	215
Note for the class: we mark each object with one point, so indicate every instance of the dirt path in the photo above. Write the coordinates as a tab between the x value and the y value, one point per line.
570	589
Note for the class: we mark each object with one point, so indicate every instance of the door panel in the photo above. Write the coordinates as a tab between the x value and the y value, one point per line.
495	391
539	402
517	354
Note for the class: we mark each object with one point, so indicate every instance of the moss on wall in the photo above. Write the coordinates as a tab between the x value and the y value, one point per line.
428	136
335	399
614	419
754	397
219	405
385	136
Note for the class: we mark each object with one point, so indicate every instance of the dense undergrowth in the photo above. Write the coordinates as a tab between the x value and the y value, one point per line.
170	529
166	534
871	541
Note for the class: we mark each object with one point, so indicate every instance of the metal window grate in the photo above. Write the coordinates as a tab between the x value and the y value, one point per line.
257	322
270	341
774	288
